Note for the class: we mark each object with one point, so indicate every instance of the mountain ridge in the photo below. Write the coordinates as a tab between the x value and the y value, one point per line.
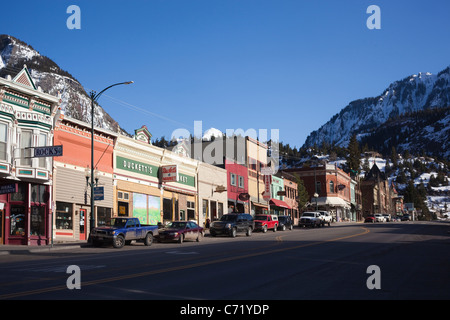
15	53
361	117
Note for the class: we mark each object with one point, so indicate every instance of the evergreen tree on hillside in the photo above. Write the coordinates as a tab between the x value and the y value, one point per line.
354	155
303	196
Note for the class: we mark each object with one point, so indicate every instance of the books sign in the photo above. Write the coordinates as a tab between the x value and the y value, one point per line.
51	151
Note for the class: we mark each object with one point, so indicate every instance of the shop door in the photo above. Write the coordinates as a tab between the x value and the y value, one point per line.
82	224
2	223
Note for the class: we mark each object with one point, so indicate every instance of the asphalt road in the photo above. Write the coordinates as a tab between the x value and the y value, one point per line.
411	261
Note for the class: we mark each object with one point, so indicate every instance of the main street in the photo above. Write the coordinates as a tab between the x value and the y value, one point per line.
302	264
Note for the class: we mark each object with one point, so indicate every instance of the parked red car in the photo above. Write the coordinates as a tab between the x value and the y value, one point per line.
180	231
264	222
370	218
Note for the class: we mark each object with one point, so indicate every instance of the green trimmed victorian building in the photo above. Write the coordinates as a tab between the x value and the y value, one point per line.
26	121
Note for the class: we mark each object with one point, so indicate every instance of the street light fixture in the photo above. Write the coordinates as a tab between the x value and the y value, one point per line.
94	97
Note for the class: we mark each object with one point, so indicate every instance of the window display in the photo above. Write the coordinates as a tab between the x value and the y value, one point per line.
64	216
37	225
17	219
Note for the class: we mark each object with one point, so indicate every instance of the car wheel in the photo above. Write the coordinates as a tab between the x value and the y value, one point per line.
275	228
181	239
283	228
249	232
200	236
265	229
291	227
148	239
233	233
119	242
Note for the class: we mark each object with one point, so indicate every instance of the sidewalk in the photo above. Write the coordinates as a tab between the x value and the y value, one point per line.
23	249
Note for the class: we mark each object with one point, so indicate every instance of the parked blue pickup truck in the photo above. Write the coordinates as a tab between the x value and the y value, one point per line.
123	230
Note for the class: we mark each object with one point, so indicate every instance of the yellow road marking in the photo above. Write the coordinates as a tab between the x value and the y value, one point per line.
177	268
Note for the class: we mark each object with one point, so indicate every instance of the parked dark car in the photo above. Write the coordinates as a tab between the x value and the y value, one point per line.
370	218
233	223
285	222
180	231
406	217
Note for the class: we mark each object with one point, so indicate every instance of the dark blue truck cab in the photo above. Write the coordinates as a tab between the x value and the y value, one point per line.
123	230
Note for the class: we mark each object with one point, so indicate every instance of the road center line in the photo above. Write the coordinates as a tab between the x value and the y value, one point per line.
183	267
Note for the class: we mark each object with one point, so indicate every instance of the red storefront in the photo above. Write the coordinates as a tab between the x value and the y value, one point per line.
26	122
237	187
26	214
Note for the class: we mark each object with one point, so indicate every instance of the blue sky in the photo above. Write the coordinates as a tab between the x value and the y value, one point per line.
267	64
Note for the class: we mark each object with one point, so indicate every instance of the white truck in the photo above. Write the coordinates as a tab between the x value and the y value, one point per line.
310	219
326	217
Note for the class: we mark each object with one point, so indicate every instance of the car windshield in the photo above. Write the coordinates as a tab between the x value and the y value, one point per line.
258	217
228	217
282	219
118	222
308	214
177	225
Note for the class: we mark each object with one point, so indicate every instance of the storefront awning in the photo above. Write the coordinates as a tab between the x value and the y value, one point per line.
330	201
279	203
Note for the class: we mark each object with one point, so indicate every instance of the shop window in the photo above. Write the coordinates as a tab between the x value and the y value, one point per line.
232	179
241	182
25	147
167	209
205	207
331	187
103	216
123	195
17	220
319	187
220	209
3	141
37	224
42	143
63	216
123	209
21	194
38	193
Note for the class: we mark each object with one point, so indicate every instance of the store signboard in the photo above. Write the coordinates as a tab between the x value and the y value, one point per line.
267	182
8	188
136	166
169	173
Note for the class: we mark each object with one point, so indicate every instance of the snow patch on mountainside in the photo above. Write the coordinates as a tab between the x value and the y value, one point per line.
414	93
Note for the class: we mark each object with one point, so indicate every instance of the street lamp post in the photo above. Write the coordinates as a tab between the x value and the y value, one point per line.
94	97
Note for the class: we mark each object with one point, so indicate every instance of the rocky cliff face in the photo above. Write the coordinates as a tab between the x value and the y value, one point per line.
415	93
14	54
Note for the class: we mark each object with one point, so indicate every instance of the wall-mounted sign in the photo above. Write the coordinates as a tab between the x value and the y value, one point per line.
267	182
169	173
8	188
99	193
50	151
136	166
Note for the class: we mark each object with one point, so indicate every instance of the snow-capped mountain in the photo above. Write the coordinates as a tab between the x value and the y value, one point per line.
212	132
414	93
14	54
